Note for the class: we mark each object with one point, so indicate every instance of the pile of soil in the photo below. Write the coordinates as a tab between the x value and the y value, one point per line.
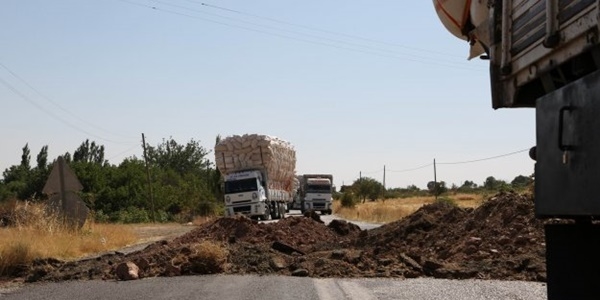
501	239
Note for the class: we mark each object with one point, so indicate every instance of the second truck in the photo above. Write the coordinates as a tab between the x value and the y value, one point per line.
315	192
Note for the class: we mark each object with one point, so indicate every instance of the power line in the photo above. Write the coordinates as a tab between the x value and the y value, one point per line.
56	104
321	30
423	60
24	97
482	159
411	169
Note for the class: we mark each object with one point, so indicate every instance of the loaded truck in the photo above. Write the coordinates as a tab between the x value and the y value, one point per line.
545	54
315	192
258	174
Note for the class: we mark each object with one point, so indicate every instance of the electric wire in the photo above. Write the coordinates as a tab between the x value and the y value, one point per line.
482	159
56	117
15	75
321	43
303	34
322	30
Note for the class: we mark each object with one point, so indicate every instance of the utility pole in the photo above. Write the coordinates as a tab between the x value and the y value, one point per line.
148	177
383	177
435	184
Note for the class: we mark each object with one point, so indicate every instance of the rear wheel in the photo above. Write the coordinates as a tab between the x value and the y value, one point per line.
274	210
282	210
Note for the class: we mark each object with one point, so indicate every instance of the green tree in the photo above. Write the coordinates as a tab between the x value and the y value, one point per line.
521	181
182	159
367	188
437	188
492	183
89	153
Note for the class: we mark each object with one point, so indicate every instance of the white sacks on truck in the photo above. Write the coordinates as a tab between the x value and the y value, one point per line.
253	151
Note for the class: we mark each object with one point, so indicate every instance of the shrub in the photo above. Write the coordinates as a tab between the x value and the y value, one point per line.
348	200
446	200
14	256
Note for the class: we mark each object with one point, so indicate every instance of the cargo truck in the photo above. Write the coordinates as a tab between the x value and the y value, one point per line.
258	175
315	193
545	54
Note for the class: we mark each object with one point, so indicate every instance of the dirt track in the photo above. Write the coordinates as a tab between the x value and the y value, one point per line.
499	240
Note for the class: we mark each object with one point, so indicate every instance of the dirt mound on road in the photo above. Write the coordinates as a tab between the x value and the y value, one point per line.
501	239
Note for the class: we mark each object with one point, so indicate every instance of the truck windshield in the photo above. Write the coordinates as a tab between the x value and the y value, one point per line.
314	188
240	186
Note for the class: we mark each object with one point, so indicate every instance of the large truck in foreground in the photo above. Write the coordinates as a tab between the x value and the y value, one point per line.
258	175
315	192
545	54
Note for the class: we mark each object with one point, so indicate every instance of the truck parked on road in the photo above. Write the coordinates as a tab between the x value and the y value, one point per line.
315	192
545	54
258	174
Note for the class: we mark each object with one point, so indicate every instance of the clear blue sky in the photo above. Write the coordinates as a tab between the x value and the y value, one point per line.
353	85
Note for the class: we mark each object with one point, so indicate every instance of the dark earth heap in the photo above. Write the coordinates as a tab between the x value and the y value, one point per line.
501	239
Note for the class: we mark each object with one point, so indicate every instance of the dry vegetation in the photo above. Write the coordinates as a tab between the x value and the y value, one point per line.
395	209
32	233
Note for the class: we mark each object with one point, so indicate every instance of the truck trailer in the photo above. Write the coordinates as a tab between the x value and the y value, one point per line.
258	175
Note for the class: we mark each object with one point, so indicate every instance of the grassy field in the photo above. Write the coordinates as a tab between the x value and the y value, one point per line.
35	234
395	209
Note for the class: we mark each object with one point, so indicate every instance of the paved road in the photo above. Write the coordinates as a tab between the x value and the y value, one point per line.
252	287
329	218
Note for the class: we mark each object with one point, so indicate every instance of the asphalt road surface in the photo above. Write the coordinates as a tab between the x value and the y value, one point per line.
328	218
252	287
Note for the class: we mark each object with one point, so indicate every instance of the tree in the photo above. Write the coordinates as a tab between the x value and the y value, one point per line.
179	158
492	183
521	181
437	188
367	188
89	153
42	158
467	186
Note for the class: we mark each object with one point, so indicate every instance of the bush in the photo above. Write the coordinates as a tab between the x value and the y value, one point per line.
348	200
446	200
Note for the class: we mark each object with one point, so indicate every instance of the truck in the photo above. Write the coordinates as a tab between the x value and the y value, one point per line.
545	54
258	173
534	47
315	192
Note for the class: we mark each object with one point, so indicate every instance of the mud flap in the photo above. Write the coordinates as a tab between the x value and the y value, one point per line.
573	261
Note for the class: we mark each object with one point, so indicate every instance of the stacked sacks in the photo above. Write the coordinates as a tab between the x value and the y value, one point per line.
253	151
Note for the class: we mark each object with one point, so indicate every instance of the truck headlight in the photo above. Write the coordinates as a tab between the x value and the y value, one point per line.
254	195
227	199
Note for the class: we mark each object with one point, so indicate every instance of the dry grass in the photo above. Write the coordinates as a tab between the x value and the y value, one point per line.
396	209
208	257
35	234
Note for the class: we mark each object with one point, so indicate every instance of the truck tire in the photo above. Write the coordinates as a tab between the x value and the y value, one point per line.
283	210
267	214
274	210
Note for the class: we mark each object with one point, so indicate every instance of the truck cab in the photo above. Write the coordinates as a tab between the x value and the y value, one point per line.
245	193
317	194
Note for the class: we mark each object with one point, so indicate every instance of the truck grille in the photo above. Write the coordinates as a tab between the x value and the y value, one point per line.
242	209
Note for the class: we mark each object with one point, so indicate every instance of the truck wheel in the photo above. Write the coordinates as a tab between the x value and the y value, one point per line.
283	210
267	214
274	211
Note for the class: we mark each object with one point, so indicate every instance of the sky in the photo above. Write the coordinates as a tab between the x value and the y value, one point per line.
357	87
